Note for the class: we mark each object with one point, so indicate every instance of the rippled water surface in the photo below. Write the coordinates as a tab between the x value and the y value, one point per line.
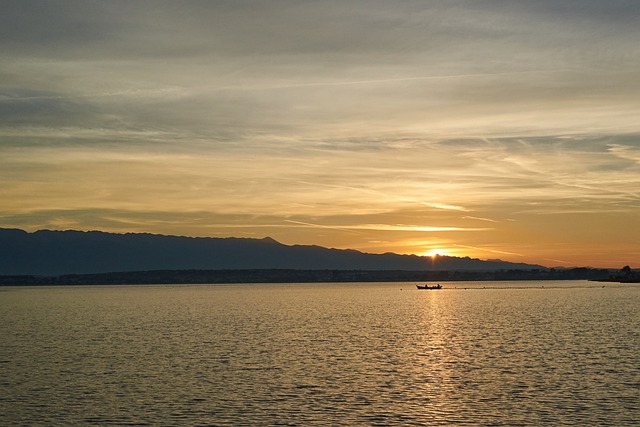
485	354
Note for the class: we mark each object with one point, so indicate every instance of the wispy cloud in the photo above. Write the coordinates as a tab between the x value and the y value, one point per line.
390	227
444	206
626	152
330	227
249	87
418	228
479	218
493	251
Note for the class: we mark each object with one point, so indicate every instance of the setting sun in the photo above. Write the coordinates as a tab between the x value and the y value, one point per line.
434	252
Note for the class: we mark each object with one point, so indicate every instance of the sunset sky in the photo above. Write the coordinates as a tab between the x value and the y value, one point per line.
490	129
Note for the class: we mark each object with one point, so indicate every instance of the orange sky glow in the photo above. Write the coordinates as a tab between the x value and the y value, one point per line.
492	131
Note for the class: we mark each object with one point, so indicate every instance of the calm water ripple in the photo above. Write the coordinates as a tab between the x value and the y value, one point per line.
473	354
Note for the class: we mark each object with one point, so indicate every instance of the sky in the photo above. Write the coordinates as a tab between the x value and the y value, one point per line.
489	129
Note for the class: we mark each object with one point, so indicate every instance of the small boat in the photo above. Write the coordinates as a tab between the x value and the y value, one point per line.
438	286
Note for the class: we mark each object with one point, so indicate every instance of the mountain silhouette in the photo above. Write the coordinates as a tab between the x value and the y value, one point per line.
47	252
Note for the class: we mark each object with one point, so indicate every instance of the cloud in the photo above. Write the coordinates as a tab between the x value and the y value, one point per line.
389	227
493	251
479	219
417	228
626	152
444	206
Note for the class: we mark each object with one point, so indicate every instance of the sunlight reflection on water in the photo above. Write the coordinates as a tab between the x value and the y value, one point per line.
330	354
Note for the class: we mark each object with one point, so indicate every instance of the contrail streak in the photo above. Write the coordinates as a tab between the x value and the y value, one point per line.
387	227
487	250
308	224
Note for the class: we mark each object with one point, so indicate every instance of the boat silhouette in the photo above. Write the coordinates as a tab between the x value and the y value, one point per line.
438	286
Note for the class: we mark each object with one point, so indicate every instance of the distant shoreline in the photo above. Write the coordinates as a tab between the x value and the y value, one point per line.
617	280
300	276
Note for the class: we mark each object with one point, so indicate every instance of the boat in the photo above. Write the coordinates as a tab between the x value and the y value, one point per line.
438	286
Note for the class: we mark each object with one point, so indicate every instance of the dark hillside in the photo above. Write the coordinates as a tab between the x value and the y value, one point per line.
48	252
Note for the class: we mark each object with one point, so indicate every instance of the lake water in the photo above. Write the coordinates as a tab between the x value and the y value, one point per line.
472	354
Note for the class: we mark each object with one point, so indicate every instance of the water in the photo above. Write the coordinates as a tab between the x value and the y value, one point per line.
493	354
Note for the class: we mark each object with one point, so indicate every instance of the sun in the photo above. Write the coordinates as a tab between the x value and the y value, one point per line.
433	252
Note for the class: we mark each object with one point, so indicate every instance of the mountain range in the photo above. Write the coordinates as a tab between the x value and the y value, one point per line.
47	252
